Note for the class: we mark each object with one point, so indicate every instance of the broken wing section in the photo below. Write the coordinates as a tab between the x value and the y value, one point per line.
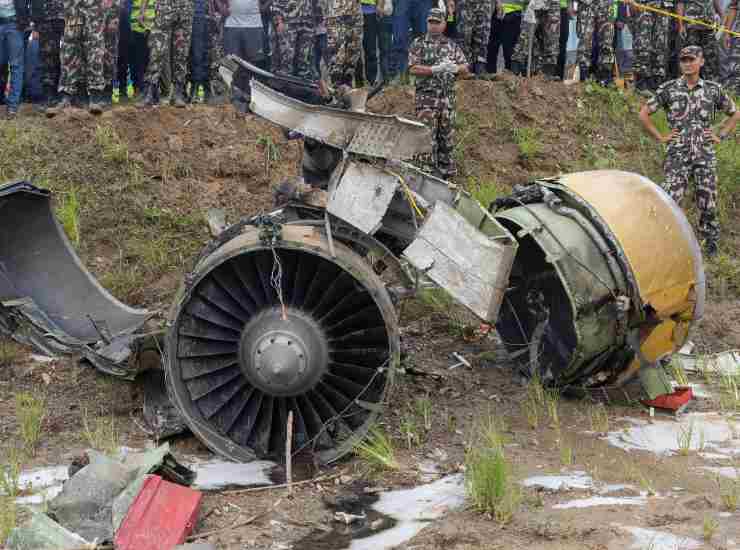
47	297
380	136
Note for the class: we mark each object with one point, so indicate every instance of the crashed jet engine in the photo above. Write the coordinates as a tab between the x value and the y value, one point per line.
588	277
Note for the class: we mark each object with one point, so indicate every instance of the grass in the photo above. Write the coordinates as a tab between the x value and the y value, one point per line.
30	411
10	472
552	404
598	418
729	491
101	433
423	410
8	517
684	437
113	148
443	304
271	151
489	477
729	397
410	431
485	192
633	473
709	527
527	139
567	457
378	451
68	214
678	373
9	352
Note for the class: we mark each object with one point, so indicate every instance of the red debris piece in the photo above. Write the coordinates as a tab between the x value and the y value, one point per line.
162	515
672	401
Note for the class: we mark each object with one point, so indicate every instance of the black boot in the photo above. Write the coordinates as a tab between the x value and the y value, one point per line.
206	93
97	103
550	72
711	249
518	69
65	102
178	96
150	97
583	69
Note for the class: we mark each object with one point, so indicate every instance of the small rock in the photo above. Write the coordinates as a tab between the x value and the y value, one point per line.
345	479
217	512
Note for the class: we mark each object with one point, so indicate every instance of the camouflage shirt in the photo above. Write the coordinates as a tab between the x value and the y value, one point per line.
46	10
292	9
340	8
429	50
691	111
698	9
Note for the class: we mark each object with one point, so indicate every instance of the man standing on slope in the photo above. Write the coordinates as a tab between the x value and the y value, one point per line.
436	61
690	104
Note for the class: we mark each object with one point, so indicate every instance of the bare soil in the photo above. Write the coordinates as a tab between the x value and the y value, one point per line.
180	163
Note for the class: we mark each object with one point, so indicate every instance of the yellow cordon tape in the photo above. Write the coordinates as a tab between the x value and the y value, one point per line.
684	18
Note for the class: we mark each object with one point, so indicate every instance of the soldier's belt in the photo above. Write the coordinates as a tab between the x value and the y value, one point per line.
690	20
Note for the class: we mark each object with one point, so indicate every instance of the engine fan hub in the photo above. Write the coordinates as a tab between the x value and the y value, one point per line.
283	357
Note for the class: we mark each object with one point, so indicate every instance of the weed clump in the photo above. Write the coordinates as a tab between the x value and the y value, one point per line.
101	433
30	411
489	477
378	450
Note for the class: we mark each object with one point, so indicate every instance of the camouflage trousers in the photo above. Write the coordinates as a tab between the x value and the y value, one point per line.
545	34
677	174
343	48
474	29
110	60
83	50
50	36
438	113
705	39
650	44
732	66
215	46
169	41
596	20
293	48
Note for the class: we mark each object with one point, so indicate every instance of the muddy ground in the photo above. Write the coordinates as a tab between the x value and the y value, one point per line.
144	181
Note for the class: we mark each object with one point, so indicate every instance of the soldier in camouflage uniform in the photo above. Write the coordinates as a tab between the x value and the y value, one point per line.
48	20
343	41
473	19
215	93
169	43
544	32
436	61
110	60
733	47
596	20
697	35
650	32
690	104
82	53
295	21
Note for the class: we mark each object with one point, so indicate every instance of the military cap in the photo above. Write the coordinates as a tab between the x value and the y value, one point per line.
690	51
436	14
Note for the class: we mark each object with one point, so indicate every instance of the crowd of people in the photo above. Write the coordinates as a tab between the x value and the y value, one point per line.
76	51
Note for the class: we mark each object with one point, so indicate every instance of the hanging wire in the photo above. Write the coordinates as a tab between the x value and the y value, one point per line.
276	280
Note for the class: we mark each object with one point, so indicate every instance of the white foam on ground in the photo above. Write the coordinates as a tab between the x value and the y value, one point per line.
649	539
602	501
413	509
662	436
43	484
576	480
218	474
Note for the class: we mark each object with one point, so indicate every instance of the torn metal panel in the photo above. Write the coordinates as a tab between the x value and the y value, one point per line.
472	267
381	136
362	196
35	257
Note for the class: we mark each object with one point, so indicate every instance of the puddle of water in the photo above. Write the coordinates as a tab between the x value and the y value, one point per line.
649	539
215	475
602	501
614	488
393	518
662	437
725	471
576	480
